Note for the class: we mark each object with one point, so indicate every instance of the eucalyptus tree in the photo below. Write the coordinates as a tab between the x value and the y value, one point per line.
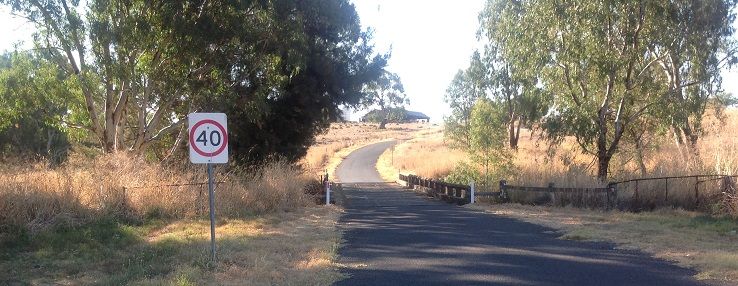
388	93
517	93
35	101
593	56
466	88
692	44
280	69
121	59
612	64
487	140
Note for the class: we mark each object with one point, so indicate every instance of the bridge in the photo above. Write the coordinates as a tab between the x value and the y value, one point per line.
398	237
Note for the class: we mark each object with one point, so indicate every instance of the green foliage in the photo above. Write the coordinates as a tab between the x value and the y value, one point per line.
490	158
465	89
35	105
395	114
388	93
464	173
278	69
607	63
693	61
281	91
487	141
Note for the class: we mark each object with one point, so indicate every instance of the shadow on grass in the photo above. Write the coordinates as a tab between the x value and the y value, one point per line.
105	252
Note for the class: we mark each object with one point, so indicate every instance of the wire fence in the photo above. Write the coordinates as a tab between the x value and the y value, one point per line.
195	193
714	192
692	192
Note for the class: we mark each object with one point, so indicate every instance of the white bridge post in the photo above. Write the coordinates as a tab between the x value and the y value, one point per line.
472	191
327	193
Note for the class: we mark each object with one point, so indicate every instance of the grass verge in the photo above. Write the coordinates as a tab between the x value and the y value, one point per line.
693	240
427	155
285	248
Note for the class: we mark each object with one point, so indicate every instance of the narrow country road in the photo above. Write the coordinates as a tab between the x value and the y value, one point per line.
396	237
360	165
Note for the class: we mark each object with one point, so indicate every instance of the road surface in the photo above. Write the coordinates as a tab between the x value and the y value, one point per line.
396	237
360	165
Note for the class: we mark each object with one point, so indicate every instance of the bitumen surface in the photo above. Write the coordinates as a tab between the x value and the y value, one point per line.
360	165
399	237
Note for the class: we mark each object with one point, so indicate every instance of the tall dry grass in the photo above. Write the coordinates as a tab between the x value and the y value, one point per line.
122	187
427	156
537	163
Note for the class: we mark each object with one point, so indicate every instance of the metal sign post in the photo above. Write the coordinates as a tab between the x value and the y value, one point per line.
211	195
209	145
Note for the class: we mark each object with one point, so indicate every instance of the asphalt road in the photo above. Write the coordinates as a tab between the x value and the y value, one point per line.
396	237
359	166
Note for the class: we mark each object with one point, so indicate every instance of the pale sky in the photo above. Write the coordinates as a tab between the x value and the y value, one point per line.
430	41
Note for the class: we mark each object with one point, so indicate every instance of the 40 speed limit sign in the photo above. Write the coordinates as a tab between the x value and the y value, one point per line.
208	138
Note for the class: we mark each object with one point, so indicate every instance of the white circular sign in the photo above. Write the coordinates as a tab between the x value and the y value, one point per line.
208	138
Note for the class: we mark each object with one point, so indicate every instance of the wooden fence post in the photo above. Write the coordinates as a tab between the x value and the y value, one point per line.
503	189
666	190
636	194
696	192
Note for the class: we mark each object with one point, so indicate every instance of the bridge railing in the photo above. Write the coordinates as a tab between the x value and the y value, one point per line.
464	194
454	193
689	192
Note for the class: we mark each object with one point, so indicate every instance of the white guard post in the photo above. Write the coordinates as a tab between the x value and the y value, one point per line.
472	192
327	193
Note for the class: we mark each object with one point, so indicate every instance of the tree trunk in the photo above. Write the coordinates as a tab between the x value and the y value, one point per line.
513	131
511	135
691	140
517	132
603	165
110	134
383	123
639	157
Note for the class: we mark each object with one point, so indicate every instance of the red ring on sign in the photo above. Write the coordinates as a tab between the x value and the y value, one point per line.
222	130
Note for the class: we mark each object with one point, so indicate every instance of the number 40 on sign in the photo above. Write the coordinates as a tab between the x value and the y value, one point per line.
208	138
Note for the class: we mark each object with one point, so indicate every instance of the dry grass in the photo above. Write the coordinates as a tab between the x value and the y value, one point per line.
121	187
427	156
113	221
538	164
283	248
565	166
709	245
343	138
